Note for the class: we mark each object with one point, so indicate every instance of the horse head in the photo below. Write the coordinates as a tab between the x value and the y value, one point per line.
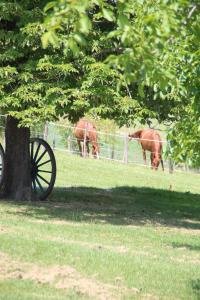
157	158
130	137
155	163
135	135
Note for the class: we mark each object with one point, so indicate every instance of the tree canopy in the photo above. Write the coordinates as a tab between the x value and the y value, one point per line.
126	60
42	84
154	47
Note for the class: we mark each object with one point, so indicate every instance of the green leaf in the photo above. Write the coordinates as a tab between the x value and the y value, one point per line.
45	39
49	37
74	47
141	90
79	39
123	21
49	5
108	14
85	24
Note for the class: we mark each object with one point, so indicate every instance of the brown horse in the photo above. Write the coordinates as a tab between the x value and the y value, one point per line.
85	133
150	140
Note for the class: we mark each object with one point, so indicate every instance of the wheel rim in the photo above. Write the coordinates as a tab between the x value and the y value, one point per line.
43	168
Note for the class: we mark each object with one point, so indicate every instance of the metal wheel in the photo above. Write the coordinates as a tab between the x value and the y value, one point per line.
43	168
2	165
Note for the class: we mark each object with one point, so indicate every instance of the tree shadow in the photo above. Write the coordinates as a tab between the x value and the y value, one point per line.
187	246
196	287
119	206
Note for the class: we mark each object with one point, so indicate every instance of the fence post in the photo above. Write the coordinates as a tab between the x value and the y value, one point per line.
46	129
171	167
84	142
113	151
125	149
69	143
170	161
54	138
186	167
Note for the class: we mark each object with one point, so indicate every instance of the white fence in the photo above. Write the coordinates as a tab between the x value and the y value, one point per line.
116	147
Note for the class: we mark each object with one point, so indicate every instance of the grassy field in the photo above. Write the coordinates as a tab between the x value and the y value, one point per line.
108	231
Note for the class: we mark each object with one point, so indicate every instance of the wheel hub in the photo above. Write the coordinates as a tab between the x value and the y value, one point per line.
34	170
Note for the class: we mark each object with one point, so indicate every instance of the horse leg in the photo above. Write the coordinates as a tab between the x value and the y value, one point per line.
152	163
144	156
80	147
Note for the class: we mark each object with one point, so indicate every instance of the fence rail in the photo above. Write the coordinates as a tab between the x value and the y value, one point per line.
114	147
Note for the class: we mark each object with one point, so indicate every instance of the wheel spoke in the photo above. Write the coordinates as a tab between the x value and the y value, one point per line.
43	179
38	182
37	151
41	156
44	171
44	163
34	184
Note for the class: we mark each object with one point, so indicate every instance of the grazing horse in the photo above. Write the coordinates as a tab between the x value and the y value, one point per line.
85	133
150	140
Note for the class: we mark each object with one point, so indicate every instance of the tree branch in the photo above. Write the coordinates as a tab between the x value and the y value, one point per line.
191	11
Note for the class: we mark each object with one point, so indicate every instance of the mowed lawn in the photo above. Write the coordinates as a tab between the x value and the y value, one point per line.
108	231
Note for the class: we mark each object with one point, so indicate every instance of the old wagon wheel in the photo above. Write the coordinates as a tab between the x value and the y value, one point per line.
2	165
43	168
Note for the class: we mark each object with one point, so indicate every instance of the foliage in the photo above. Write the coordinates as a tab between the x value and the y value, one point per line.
153	46
185	139
125	60
39	84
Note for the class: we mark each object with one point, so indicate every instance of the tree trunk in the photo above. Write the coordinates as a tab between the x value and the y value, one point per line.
17	180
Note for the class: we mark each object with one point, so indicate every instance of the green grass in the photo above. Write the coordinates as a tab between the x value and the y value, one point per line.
127	233
28	290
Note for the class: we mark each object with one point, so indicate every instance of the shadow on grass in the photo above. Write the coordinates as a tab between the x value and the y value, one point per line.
187	246
119	206
196	287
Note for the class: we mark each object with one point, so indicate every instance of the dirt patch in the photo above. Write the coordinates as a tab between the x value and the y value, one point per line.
175	229
150	297
4	230
186	259
58	222
189	231
61	277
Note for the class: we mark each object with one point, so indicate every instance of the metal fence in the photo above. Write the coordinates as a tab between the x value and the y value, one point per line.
116	147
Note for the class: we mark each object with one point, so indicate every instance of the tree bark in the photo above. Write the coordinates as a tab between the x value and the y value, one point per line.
17	180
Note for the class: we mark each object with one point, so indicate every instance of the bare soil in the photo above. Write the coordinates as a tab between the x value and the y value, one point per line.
61	277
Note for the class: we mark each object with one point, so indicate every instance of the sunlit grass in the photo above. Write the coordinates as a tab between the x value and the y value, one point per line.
128	232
